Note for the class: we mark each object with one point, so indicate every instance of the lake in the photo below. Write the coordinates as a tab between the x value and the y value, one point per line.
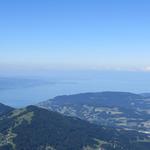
25	90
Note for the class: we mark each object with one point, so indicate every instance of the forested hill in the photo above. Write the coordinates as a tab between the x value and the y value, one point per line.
34	128
115	109
4	109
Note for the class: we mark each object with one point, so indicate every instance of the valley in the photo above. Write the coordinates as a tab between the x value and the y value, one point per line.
115	109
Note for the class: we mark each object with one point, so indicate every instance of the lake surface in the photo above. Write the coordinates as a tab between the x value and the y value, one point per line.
22	91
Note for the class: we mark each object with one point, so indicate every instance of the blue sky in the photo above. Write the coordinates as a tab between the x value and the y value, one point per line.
75	34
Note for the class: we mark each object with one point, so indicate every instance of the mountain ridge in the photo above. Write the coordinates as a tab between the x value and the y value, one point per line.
5	109
36	128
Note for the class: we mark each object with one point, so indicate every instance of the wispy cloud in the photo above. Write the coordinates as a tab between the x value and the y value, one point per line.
147	69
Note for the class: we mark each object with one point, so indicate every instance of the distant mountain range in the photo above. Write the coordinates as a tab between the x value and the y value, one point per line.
116	109
34	128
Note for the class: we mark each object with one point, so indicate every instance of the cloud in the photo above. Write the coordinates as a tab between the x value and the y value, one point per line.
147	69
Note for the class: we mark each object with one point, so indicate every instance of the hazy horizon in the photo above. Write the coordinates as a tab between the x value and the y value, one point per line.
74	35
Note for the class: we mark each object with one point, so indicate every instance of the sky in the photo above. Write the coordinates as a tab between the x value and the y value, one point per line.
75	34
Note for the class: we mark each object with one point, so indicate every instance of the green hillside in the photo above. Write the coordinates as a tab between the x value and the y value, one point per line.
33	128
